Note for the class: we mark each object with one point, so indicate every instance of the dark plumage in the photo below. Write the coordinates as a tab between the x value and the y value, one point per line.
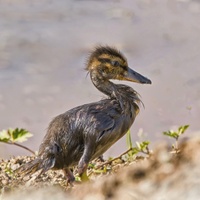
86	132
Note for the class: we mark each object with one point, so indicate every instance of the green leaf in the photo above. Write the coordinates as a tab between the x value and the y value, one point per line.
92	165
9	171
146	143
100	171
4	136
171	134
182	129
135	150
19	135
143	145
78	178
84	177
138	146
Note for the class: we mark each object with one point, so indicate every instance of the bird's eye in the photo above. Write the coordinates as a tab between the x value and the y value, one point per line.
115	63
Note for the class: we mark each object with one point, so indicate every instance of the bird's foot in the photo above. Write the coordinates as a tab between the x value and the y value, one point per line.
70	177
82	171
101	158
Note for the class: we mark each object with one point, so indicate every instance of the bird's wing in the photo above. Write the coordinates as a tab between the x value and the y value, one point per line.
104	124
101	118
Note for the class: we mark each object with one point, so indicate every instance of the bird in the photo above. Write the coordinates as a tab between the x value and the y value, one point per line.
83	133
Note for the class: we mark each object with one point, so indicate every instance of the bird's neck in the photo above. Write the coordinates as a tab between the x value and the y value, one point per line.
126	96
103	85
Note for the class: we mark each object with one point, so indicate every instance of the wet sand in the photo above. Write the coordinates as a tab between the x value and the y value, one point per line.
43	50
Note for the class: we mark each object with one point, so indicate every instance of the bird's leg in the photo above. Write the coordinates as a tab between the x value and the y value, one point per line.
82	168
84	161
69	175
101	158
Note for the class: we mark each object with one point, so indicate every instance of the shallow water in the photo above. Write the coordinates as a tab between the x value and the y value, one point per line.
43	49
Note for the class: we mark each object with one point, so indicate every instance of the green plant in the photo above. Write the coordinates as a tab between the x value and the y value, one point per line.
175	135
141	147
12	136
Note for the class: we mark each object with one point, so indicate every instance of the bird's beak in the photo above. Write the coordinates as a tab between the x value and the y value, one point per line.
133	76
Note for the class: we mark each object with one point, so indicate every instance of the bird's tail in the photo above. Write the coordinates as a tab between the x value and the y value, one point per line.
35	165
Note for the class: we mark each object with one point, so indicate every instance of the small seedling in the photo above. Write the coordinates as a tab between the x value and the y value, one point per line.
140	147
12	136
176	135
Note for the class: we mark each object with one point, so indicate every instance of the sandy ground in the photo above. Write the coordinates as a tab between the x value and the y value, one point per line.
44	45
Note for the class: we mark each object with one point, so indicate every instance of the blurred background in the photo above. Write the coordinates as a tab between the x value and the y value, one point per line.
43	49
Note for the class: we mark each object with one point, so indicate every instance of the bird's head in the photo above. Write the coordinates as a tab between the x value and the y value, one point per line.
109	63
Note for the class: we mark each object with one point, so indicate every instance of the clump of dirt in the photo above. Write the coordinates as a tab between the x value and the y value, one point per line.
161	175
